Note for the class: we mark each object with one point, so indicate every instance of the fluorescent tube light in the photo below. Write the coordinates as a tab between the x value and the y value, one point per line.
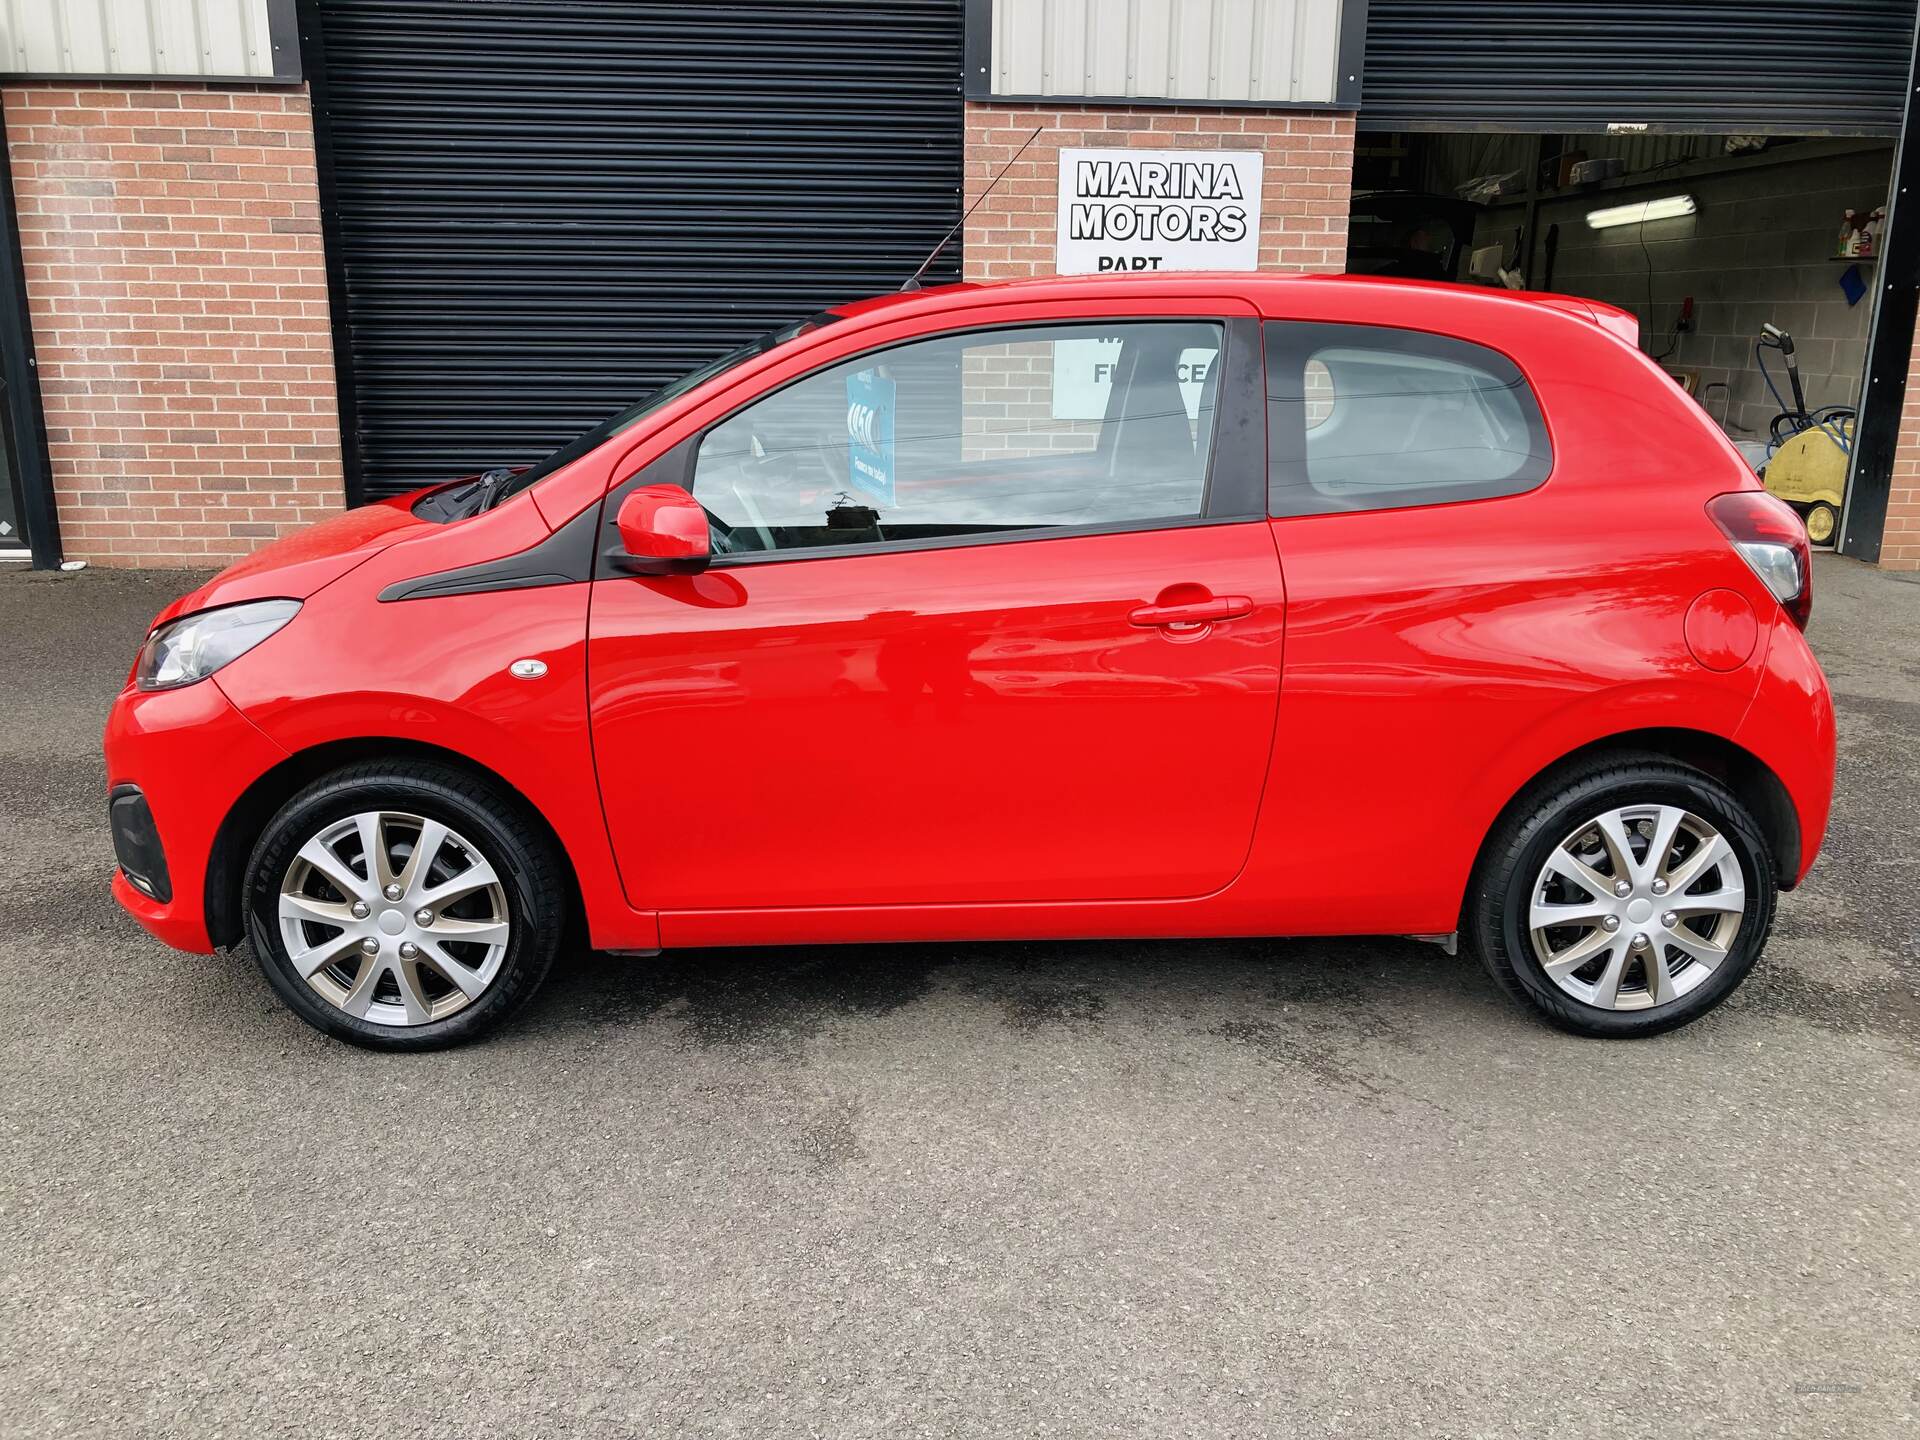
1670	207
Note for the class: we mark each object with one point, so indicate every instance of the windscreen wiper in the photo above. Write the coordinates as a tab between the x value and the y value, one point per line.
493	484
465	498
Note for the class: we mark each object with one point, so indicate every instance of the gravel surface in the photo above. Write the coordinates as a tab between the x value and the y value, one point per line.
1219	1188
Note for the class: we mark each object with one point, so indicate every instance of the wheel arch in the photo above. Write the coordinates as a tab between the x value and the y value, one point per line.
1738	768
248	817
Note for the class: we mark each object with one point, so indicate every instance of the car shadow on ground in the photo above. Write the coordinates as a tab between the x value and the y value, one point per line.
778	997
1274	994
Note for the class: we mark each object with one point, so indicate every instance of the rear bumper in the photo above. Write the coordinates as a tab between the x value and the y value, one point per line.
1790	727
189	755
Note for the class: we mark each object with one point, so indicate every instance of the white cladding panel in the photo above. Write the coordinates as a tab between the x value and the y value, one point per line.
1230	51
229	38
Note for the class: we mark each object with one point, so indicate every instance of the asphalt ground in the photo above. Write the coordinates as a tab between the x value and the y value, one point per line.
1218	1188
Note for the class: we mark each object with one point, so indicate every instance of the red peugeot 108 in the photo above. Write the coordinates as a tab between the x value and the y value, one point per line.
1164	606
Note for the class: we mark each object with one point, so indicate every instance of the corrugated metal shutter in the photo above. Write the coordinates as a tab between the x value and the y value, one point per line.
542	210
1235	51
1771	67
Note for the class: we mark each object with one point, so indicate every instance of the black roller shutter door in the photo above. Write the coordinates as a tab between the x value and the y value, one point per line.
539	210
1782	67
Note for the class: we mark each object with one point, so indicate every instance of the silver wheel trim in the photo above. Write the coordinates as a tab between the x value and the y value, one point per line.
394	918
1636	908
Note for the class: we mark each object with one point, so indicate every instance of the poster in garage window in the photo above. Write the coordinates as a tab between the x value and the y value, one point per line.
1083	372
870	434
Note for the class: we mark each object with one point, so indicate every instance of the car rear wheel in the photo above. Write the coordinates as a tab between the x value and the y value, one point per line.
403	906
1625	900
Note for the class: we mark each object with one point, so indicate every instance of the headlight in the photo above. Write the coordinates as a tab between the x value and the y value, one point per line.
194	646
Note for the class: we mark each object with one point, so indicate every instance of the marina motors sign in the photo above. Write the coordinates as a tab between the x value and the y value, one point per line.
1158	210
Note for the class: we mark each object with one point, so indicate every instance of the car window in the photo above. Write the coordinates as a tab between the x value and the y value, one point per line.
1364	417
997	430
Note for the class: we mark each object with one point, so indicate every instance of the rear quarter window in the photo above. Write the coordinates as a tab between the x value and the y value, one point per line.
1369	417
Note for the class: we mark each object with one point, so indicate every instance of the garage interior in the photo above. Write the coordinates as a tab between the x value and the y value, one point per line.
1708	239
1689	164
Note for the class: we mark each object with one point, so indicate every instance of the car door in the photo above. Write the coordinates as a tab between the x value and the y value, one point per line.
993	616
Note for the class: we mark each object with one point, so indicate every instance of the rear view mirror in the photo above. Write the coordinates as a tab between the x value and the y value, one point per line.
663	531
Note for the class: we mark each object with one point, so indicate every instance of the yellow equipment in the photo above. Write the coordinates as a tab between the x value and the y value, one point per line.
1809	472
1811	449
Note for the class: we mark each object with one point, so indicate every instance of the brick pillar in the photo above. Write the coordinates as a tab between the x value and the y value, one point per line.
178	295
1307	176
1900	542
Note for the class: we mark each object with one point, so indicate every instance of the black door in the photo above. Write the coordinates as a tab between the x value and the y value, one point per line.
538	210
13	543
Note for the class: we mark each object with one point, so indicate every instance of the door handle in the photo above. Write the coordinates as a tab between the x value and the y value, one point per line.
1192	614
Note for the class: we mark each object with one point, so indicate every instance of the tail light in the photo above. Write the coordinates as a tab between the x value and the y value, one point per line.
1771	539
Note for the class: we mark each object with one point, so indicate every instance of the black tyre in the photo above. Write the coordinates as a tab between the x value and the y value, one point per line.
404	905
1623	899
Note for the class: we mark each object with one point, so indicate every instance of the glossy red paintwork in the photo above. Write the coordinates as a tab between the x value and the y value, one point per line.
194	755
983	741
901	711
297	565
1722	629
1789	728
442	680
663	522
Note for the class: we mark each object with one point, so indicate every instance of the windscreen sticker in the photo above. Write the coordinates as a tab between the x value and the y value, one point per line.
870	434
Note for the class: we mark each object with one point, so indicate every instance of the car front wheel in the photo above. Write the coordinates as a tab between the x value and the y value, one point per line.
1629	899
403	906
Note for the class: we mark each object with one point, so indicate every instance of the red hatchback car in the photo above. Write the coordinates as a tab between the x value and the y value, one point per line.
1163	606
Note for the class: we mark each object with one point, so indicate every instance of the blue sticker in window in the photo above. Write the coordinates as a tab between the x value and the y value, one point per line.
870	434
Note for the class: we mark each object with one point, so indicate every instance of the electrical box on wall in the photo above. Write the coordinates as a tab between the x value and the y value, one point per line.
1484	263
1592	172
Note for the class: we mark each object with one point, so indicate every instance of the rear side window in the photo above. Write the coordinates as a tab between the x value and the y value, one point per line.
1367	417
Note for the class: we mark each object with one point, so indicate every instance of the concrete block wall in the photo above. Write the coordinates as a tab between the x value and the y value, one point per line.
1758	249
177	289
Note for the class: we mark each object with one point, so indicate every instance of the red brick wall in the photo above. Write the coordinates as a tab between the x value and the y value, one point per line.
1307	176
1900	543
178	292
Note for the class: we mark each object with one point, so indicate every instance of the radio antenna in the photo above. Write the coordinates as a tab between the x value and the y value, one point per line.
914	282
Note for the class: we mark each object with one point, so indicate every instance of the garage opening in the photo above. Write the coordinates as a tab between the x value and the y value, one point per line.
1749	259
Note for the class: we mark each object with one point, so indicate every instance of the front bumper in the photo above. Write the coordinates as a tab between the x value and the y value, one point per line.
189	755
136	843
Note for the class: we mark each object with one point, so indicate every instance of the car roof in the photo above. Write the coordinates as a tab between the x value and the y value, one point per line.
1262	288
1061	287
